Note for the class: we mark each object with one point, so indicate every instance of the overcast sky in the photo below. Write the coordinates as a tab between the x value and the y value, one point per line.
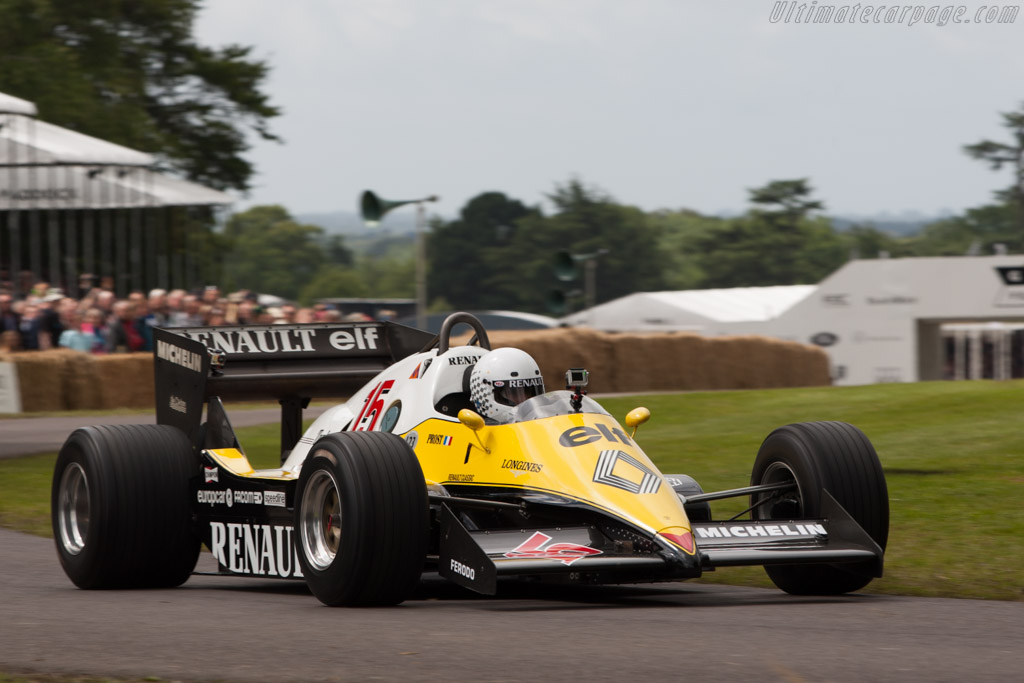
661	103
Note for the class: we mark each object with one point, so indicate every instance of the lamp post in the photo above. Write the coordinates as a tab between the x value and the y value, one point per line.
373	209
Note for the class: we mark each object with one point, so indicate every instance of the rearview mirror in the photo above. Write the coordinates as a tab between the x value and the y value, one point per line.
634	418
471	419
476	423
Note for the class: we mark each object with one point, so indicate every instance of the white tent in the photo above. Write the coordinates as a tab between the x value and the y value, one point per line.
28	140
698	310
71	203
15	105
98	187
46	166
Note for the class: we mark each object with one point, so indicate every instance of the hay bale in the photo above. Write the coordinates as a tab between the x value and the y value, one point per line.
80	382
629	362
125	380
41	376
753	362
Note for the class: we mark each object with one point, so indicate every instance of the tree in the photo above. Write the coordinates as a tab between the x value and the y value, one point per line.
129	71
679	233
978	231
778	245
791	198
463	252
389	277
269	252
998	154
332	283
587	220
867	241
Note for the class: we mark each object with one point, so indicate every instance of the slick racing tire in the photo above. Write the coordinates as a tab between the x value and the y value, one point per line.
839	458
120	507
362	519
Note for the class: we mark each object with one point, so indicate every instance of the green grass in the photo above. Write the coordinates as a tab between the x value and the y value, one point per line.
953	454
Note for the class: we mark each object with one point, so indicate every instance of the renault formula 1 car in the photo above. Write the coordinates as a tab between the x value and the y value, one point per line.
407	475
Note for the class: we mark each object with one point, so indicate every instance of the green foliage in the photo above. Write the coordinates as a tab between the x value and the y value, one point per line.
332	282
463	252
388	277
589	220
977	231
337	252
998	153
679	233
866	241
499	254
129	71
778	245
1006	220
788	198
269	252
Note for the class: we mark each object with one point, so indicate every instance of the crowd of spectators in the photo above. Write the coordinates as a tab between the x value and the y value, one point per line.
99	322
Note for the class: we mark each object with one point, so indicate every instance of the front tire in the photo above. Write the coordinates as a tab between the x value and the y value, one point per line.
120	507
362	519
839	458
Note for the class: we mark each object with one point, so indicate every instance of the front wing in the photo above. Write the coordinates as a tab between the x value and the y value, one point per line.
582	554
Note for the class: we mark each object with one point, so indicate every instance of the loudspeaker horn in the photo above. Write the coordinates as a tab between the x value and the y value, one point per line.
373	207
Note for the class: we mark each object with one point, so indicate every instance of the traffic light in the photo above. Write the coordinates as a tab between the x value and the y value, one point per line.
566	271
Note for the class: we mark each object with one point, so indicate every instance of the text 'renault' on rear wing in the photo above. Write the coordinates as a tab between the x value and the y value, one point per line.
289	363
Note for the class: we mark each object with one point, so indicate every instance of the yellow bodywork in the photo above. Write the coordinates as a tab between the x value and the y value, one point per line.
236	462
586	457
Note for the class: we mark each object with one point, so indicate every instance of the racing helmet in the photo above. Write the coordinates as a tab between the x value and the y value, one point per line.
503	379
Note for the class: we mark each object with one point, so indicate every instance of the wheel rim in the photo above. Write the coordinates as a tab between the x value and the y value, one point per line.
321	520
784	505
73	509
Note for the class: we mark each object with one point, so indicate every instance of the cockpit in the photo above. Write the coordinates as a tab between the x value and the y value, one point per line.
555	403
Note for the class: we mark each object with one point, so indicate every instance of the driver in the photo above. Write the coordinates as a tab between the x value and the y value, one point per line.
503	379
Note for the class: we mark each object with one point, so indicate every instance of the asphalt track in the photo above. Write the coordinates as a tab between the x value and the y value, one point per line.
230	629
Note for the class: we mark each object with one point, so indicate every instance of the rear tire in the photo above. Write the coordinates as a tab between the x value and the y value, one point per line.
834	456
120	507
361	519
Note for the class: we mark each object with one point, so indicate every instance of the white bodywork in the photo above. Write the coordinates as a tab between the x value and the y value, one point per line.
399	387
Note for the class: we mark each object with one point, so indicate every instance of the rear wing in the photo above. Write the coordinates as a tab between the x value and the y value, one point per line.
289	363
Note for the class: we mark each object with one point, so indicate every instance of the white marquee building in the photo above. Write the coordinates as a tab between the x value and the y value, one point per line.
879	320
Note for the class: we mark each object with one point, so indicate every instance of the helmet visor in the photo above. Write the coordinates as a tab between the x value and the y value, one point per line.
512	392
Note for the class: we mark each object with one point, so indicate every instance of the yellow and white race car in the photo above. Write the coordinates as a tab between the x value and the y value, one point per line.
443	459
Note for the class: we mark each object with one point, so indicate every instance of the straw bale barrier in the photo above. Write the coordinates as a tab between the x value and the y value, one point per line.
62	379
667	361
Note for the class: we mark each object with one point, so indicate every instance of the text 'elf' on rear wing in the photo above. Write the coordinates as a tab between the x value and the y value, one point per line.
289	363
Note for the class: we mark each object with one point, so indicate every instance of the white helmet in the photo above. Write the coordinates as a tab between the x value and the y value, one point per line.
503	379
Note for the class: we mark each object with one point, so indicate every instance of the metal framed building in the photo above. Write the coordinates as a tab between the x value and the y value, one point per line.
74	205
